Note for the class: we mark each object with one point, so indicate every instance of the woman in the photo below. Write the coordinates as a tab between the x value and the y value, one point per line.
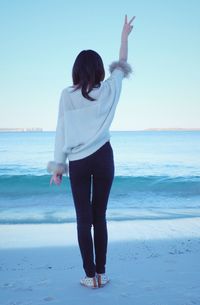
86	111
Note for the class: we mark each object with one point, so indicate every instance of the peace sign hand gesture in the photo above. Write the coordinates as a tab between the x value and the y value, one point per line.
127	28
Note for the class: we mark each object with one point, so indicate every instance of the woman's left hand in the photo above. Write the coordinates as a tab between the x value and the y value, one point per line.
56	178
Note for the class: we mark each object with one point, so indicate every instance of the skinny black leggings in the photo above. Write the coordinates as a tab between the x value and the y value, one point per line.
91	180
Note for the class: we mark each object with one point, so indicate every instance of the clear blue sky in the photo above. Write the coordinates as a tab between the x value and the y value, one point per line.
41	39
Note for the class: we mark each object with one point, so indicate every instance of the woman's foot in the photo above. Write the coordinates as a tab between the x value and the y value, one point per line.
102	279
90	282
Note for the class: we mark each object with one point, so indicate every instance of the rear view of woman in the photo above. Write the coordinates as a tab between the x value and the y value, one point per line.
86	111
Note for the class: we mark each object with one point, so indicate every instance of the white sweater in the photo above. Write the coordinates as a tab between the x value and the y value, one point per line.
83	125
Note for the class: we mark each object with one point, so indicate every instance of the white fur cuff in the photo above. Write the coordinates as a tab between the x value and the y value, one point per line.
123	65
60	168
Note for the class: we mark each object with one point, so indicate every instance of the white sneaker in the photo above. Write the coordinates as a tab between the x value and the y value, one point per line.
90	282
102	279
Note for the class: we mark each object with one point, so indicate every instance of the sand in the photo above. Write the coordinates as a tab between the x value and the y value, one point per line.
150	262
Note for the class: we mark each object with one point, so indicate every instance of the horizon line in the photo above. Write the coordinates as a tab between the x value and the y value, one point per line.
40	129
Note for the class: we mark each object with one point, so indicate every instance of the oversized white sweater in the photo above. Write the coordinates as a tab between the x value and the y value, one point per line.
83	125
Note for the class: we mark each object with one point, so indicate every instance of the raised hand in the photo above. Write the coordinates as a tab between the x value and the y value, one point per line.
127	28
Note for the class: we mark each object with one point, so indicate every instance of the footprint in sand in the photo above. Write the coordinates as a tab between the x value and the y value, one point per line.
43	282
49	299
7	285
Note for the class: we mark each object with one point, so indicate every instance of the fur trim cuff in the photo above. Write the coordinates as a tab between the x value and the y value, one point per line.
60	168
123	65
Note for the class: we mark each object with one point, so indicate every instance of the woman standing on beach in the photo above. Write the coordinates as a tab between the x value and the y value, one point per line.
86	111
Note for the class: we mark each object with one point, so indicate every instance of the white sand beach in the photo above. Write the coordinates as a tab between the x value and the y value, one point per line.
150	262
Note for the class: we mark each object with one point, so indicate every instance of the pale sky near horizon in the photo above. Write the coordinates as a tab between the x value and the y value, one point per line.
41	39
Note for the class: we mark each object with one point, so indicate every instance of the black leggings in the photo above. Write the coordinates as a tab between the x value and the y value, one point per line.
96	171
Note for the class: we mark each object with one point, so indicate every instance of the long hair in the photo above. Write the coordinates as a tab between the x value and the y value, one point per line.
88	71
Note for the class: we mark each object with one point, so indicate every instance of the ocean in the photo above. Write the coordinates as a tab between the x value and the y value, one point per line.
157	175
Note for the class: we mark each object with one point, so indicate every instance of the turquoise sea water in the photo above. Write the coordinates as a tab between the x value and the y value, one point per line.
154	171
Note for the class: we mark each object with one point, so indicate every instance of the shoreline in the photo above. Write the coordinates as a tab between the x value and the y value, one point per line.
64	234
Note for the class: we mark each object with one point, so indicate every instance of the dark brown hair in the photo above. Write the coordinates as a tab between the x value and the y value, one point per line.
88	71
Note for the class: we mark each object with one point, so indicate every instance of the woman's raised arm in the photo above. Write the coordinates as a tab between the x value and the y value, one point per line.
127	28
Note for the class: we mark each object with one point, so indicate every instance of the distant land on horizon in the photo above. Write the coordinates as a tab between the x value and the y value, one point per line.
172	129
33	129
39	129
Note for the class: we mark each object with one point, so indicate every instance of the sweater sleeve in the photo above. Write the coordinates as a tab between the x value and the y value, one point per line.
118	71
113	84
123	66
58	165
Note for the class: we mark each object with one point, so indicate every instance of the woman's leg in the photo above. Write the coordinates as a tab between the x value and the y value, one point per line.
80	180
103	174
